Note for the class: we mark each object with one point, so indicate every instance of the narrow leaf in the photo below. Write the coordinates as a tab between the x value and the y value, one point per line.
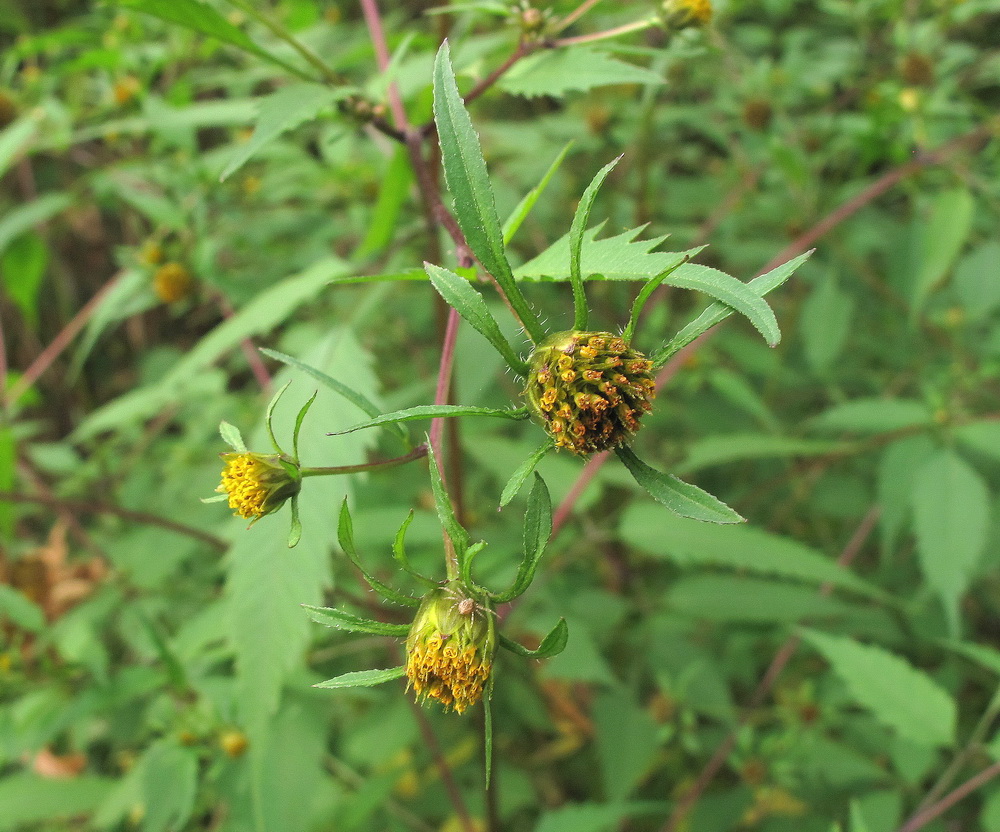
269	416
299	418
434	411
718	312
330	617
579	225
469	184
345	536
520	213
232	437
552	645
537	531
399	552
644	294
446	512
898	695
680	497
517	479
295	529
363	678
457	293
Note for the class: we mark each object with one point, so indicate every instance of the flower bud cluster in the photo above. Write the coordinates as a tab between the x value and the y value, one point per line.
589	389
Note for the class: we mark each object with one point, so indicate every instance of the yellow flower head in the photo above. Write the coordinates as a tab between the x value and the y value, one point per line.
449	651
680	14
172	282
257	484
589	389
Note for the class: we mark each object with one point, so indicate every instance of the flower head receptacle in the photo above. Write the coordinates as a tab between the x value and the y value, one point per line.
589	389
258	484
450	647
682	14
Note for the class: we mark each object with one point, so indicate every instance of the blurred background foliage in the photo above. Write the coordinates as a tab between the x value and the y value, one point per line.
155	667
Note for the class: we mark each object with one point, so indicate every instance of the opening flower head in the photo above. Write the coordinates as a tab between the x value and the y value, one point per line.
258	484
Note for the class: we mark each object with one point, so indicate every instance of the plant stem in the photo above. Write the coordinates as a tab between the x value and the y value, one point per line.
332	470
636	26
921	819
373	20
575	15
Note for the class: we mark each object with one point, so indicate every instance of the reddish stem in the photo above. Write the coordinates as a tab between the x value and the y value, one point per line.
921	819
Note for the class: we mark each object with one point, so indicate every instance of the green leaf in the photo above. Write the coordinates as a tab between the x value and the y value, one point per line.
520	213
680	497
399	552
622	257
169	785
872	415
577	228
627	742
393	194
299	419
201	18
639	303
295	528
469	184
825	323
692	544
14	138
457	293
445	511
730	291
280	112
718	312
977	280
982	437
901	697
941	240
17	608
28	799
734	447
232	437
269	415
951	516
598	817
361	402
488	733
345	537
16	221
434	411
23	266
342	620
537	531
552	645
555	72
363	678
517	479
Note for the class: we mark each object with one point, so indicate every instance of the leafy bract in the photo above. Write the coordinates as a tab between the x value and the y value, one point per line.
363	678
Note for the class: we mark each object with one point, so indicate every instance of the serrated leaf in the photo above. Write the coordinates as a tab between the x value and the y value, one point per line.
458	294
621	257
555	72
280	112
718	312
690	543
202	18
363	678
434	411
523	208
898	695
469	185
951	515
517	479
580	219
680	497
872	415
330	617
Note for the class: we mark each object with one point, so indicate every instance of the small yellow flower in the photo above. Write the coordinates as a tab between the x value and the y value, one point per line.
589	389
449	651
234	743
257	484
172	282
680	14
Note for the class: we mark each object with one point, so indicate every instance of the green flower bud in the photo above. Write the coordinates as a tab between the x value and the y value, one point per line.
589	389
258	484
449	651
680	14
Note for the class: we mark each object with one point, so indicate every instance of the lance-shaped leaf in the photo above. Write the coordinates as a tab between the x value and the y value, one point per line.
232	437
520	213
345	536
680	497
644	294
718	312
488	732
537	530
458	536
457	293
579	225
330	617
269	416
552	645
517	479
299	418
469	184
399	552
361	402
470	554
295	529
363	678
434	411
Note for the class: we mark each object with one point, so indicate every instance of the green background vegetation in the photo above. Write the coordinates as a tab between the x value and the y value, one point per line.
155	663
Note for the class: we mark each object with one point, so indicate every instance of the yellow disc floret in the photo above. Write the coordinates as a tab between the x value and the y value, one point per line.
589	389
679	14
257	484
449	651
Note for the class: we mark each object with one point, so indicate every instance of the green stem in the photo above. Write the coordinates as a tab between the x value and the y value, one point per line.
637	26
329	471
